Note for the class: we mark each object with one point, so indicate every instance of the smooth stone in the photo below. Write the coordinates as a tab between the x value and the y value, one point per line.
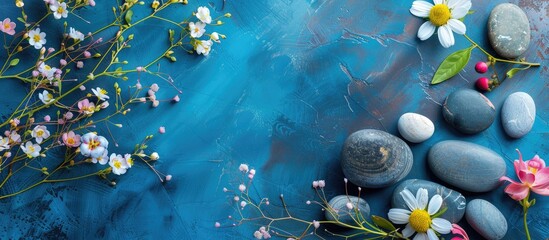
415	127
509	30
518	114
453	201
467	166
373	158
468	111
342	213
486	219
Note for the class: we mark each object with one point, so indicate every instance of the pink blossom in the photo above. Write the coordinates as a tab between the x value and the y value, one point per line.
92	3
321	183
155	87
68	115
62	62
316	224
47	118
217	224
50	50
8	26
35	73
533	175
168	178
349	205
150	92
87	54
156	103
143	100
71	139
82	88
242	187
139	69
79	64
162	130
138	86
86	106
315	184
456	229
176	98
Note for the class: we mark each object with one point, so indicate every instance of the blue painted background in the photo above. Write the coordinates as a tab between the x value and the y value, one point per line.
291	82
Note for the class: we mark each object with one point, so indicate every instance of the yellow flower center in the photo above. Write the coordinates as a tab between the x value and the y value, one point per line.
50	96
439	15
36	38
420	220
70	141
47	67
40	133
130	161
31	148
7	26
117	164
533	170
60	10
103	91
93	144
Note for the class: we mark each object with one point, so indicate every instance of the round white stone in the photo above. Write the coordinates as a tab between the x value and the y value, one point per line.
415	127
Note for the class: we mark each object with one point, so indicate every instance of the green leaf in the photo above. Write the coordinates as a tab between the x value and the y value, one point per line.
383	223
452	65
14	62
513	71
21	19
128	17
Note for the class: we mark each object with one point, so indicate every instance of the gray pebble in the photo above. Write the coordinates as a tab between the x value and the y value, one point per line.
486	219
518	114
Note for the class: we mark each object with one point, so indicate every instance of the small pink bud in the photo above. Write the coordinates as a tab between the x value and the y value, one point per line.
315	184
267	202
250	176
316	224
217	224
92	3
176	98
242	187
63	62
252	171
35	73
481	67
87	54
243	204
236	198
225	189
345	180
155	103
155	87
139	69
47	118
50	50
151	93
68	115
321	183
138	86
58	71
60	121
308	202
483	84
168	178
79	64
162	130
349	205
7	154
82	88
143	100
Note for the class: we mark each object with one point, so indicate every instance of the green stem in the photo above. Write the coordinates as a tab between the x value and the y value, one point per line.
525	206
499	59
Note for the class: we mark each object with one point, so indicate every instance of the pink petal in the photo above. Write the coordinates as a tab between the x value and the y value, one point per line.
526	177
504	178
541	191
517	191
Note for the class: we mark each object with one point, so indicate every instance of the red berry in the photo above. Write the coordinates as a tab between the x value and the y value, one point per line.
481	67
483	84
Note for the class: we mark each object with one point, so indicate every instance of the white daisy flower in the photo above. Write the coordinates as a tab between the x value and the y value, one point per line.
59	10
419	216
46	71
100	93
76	35
4	143
46	97
203	13
37	38
32	150
197	29
40	132
102	159
93	146
203	47
445	15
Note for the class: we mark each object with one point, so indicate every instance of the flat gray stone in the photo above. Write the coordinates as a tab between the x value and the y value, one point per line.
468	111
453	201
415	127
509	30
486	219
465	165
518	114
343	214
374	159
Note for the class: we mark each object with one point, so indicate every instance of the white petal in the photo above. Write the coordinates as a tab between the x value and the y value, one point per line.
460	12
421	8
437	1
445	36
457	26
455	3
434	204
399	216
421	236
426	31
422	197
441	225
431	234
409	199
408	231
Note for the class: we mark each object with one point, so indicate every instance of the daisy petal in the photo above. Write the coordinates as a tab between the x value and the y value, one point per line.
422	197
432	235
434	204
441	225
421	8
460	12
437	1
457	3
457	26
445	36
426	31
399	216
409	199
408	231
421	236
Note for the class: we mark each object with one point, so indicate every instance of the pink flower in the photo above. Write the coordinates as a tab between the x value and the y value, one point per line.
47	118
162	130
532	175
79	64
71	140
86	106
155	87
456	229
7	26
176	98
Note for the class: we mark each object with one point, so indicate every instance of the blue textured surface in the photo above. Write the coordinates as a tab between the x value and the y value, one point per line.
291	82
